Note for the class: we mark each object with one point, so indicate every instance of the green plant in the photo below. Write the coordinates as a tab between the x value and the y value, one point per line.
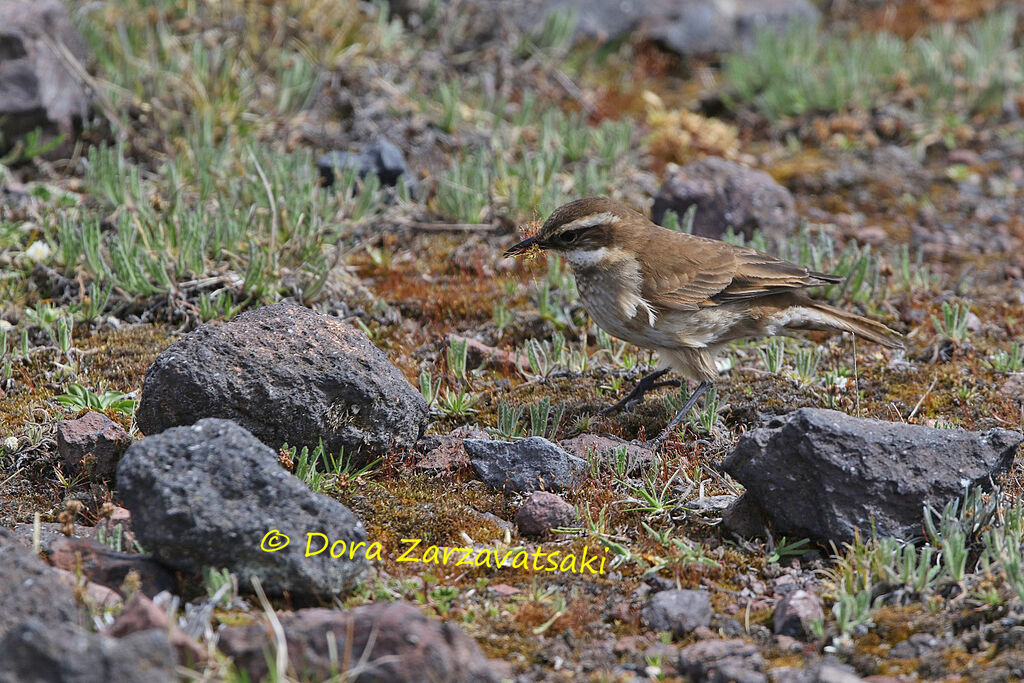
784	549
221	585
77	397
429	389
508	427
502	316
953	324
654	498
806	361
1009	361
457	404
544	421
457	353
773	353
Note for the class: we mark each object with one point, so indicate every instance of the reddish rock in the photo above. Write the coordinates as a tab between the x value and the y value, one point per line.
503	590
795	612
92	444
603	446
100	596
447	452
542	512
391	641
107	567
142	614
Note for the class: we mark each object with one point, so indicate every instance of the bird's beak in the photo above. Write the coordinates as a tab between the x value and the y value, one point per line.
522	247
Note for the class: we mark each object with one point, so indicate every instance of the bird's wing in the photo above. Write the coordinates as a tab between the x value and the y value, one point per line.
704	272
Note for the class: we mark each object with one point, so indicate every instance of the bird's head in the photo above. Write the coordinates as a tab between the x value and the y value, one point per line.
582	231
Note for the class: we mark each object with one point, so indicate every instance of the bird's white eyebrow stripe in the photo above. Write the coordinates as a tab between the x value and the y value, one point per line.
592	220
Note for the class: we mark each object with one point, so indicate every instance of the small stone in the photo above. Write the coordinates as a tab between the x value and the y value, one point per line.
407	645
543	512
606	448
795	612
503	590
533	464
142	614
99	564
99	597
677	611
381	158
727	194
92	444
718	661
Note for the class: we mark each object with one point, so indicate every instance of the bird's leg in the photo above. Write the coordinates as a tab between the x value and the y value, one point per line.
697	393
647	383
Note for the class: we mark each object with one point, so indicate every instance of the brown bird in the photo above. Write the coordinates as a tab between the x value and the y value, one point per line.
683	296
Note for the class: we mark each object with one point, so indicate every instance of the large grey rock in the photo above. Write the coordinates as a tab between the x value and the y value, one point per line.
206	495
726	194
393	641
29	588
287	374
37	653
826	475
38	88
533	464
677	611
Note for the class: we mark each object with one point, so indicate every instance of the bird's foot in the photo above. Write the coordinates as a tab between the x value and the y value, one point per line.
647	383
681	415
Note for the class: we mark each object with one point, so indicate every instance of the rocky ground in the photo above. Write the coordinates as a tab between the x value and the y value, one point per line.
274	407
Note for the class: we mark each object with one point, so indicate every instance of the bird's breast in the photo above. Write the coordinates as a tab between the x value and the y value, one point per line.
612	298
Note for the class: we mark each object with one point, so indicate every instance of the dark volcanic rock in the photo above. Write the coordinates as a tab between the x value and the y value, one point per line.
406	645
722	661
34	652
727	194
677	611
37	87
29	588
381	158
206	495
287	374
92	444
825	475
533	464
100	564
542	512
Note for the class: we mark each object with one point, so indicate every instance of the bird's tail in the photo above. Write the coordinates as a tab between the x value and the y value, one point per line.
835	319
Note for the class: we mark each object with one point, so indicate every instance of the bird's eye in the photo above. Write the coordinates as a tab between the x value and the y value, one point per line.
571	236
